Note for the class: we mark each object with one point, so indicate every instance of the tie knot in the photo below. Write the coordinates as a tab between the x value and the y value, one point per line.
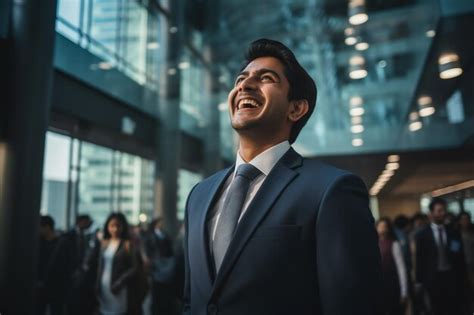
248	171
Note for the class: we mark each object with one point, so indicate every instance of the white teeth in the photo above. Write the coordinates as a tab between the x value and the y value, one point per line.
249	102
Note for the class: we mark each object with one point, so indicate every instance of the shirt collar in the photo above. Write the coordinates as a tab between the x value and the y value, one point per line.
266	160
435	226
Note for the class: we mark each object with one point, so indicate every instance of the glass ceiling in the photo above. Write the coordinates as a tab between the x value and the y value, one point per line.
357	111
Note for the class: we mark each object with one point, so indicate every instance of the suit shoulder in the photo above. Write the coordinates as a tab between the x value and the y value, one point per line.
326	172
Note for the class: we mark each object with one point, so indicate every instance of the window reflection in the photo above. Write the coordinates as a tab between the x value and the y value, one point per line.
85	178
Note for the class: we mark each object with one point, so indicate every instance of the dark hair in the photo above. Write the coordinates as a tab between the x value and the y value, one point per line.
462	213
46	220
83	217
124	235
153	223
401	221
437	201
391	232
301	84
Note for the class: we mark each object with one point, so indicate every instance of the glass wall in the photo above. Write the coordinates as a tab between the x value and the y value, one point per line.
84	178
113	45
186	181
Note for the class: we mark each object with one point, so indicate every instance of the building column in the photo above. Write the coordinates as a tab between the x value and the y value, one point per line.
29	67
169	134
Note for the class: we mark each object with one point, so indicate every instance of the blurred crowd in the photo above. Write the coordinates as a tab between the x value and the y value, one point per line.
120	269
428	262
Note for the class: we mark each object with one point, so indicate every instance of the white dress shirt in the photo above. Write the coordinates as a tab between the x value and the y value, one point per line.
434	229
265	162
401	269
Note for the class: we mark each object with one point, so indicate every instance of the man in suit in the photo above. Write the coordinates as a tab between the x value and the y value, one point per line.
277	233
440	266
159	250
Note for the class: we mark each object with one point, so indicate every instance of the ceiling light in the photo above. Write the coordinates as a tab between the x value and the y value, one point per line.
449	66
349	31
357	142
393	158
382	63
142	217
392	166
173	29
388	172
356	101
357	67
357	128
425	106
356	120
430	33
358	111
171	71
362	46
153	45
415	123
183	65
357	13
351	40
105	65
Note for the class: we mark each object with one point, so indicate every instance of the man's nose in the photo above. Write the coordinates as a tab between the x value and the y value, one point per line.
247	84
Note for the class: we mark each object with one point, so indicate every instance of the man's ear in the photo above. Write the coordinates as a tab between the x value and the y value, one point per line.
298	109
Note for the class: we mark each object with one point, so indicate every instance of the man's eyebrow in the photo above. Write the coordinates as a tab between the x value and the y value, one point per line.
260	71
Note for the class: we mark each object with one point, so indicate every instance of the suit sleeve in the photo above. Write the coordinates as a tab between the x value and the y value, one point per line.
187	285
348	257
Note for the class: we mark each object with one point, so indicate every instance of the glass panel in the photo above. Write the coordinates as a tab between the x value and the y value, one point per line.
186	182
55	178
95	182
133	187
193	113
68	18
134	40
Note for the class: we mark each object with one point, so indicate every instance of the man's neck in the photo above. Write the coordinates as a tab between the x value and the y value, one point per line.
250	148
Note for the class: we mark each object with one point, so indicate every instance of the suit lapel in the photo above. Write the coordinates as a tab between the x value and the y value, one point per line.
281	175
204	257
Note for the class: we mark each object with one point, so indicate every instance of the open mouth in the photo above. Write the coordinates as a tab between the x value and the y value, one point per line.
247	103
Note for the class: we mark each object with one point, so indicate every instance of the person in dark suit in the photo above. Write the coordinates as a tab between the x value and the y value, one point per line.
440	266
80	246
159	250
276	233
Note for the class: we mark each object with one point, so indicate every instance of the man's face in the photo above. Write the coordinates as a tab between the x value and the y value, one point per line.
438	214
259	99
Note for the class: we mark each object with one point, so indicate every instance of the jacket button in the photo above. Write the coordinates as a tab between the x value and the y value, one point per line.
212	309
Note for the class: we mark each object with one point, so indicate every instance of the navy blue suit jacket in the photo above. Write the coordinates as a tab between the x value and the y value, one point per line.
306	245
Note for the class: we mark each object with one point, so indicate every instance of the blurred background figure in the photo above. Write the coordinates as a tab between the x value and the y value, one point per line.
395	283
440	265
466	229
121	285
80	242
52	270
159	250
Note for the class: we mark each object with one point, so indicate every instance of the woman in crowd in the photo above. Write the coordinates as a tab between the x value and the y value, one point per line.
395	284
121	284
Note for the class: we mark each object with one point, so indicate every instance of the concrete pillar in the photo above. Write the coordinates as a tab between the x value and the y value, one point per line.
29	67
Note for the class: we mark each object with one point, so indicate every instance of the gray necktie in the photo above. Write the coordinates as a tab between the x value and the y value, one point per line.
443	262
231	210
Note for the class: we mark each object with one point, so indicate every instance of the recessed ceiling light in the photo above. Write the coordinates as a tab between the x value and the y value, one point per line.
362	46
357	128
358	111
449	66
357	142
